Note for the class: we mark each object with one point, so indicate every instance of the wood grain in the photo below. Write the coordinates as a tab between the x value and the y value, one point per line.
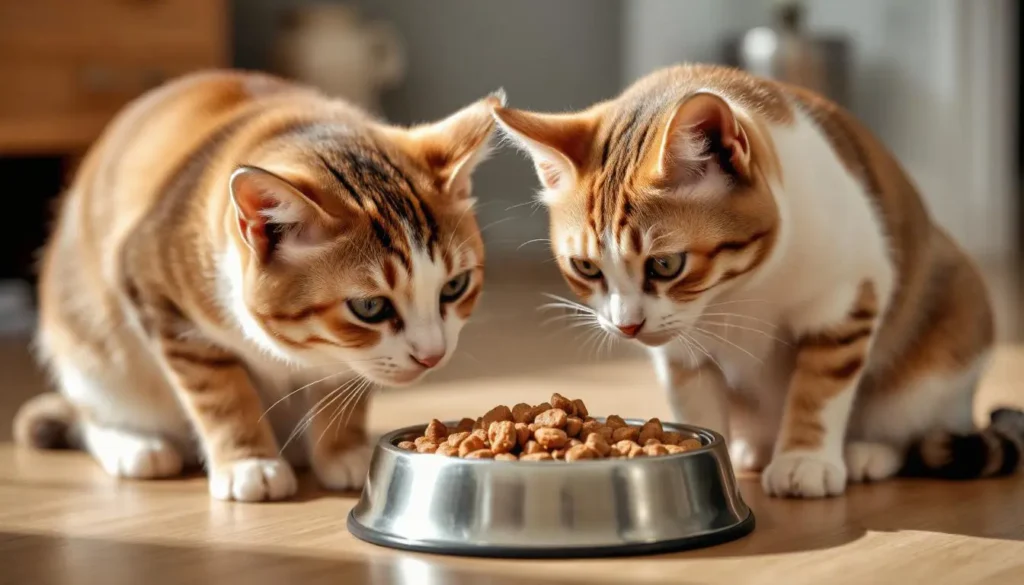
63	521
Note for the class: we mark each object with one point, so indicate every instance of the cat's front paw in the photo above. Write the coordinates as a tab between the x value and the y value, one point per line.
253	480
804	475
344	470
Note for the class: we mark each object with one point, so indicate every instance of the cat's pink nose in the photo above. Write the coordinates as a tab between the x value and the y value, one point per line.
428	361
630	330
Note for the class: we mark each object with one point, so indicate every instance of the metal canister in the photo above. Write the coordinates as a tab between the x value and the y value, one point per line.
788	52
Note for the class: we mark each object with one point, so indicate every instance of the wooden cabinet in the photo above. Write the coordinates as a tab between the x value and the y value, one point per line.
67	66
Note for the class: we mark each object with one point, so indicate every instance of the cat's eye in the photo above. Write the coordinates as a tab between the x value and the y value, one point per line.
372	309
665	267
454	288
585	268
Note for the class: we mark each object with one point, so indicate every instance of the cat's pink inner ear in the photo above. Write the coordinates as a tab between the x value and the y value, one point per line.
263	199
559	144
700	125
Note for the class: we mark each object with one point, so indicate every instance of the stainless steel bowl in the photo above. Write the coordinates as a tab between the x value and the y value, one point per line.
430	503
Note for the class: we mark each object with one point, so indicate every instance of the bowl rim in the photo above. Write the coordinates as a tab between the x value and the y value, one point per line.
386	442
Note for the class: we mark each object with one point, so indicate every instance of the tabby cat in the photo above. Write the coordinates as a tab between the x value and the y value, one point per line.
234	237
792	288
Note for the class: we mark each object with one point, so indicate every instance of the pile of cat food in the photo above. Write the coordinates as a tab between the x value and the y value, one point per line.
561	429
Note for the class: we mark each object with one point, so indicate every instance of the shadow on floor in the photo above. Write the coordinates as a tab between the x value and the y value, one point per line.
39	559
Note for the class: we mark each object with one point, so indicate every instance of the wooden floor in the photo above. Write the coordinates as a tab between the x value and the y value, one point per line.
63	521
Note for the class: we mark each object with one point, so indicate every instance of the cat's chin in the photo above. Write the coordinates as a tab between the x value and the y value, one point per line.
654	340
400	380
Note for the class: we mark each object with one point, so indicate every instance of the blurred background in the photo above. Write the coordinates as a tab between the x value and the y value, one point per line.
937	80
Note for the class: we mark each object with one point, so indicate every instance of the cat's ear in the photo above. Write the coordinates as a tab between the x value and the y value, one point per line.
453	147
274	215
559	144
701	129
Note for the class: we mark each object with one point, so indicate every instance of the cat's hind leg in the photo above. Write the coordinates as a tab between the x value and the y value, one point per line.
923	427
123	453
104	429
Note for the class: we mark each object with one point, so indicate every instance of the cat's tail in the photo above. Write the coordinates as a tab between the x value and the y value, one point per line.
995	450
46	421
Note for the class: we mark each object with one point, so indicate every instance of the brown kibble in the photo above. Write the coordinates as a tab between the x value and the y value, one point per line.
543	406
626	433
522	413
550	438
436	431
538	456
456	439
573	426
562	429
627	448
691	444
480	454
426	447
655	449
554	418
589	427
498	413
671	438
615	422
465	425
651	430
502	436
598	444
580	452
559	401
523	434
472	443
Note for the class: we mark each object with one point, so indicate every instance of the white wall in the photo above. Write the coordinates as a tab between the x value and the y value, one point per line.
928	76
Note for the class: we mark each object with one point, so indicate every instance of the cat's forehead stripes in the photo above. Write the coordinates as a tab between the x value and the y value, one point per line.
398	217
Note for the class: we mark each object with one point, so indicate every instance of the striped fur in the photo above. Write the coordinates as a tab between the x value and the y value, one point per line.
821	320
205	261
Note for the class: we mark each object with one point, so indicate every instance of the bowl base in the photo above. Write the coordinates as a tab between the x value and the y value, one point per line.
705	540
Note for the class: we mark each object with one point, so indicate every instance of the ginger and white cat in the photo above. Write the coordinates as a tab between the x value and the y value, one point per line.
231	238
792	288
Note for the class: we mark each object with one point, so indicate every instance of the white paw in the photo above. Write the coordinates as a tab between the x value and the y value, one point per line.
127	455
748	456
253	480
871	461
804	475
346	471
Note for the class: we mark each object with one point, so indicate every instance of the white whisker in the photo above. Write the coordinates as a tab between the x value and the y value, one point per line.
736	345
741	316
751	329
